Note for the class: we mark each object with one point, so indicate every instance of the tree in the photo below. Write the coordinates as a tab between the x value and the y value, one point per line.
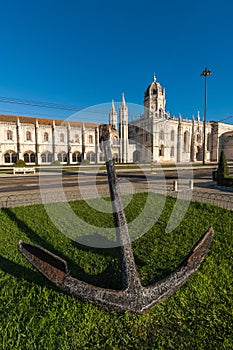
223	170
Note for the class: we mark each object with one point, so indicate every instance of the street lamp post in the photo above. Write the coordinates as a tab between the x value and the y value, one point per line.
206	72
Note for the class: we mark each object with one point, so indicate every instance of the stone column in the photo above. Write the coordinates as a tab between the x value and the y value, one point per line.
179	141
154	147
37	143
83	143
54	141
215	142
69	154
18	139
97	154
192	155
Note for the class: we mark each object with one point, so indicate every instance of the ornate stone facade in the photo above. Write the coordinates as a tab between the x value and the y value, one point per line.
154	136
171	139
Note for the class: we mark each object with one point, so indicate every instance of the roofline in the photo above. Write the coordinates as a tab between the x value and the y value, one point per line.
44	121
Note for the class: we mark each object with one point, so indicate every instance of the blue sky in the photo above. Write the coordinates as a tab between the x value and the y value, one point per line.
87	53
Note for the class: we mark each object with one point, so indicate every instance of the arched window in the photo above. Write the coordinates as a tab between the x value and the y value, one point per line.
26	157
91	156
7	158
10	157
28	136
161	134
32	158
46	157
62	157
102	157
186	141
9	135
43	158
172	135
29	157
50	157
199	153
161	151
90	139
76	138
172	153
14	157
46	137
198	138
76	157
136	156
62	138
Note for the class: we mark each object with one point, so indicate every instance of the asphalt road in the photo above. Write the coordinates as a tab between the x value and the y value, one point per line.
33	183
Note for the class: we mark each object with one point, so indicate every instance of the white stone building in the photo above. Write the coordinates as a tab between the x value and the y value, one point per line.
171	139
154	136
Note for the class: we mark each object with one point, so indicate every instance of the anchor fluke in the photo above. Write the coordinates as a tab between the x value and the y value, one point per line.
49	264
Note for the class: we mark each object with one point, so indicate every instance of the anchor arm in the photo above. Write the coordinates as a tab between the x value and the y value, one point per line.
159	291
55	269
135	300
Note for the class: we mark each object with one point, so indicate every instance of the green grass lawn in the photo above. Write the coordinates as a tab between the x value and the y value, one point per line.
34	314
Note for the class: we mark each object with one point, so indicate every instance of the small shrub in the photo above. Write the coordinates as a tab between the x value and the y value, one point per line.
222	165
20	163
56	162
223	178
85	162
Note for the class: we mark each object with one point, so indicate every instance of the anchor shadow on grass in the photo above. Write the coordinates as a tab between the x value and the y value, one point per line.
22	272
109	278
82	244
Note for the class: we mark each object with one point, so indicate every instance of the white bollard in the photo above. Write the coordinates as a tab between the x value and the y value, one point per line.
191	184
175	186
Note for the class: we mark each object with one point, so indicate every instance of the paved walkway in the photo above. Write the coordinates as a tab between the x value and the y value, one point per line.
204	189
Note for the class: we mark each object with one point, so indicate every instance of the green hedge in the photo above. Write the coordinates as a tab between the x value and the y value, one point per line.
225	181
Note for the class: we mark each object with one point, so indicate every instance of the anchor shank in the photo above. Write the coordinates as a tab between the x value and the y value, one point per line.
130	274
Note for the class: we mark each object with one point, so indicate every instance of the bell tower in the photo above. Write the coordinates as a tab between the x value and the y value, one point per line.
113	116
124	127
154	100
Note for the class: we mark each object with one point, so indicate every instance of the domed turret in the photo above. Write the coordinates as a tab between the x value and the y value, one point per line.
154	100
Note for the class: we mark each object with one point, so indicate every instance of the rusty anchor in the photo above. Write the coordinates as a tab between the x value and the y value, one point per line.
133	297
